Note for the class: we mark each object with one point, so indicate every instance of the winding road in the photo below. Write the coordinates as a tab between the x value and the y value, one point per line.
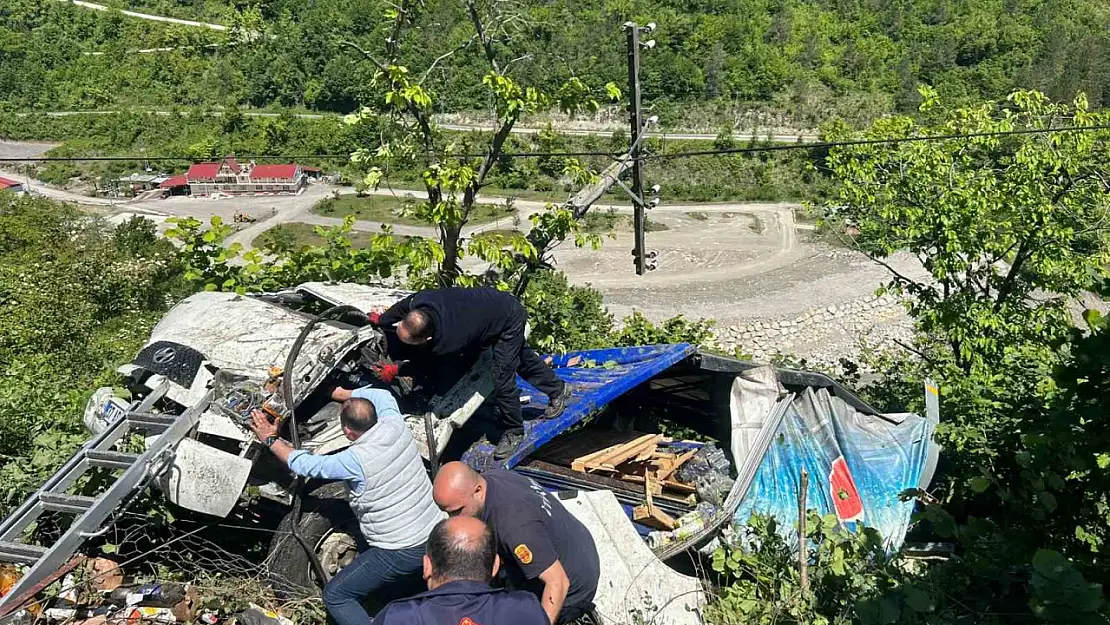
147	16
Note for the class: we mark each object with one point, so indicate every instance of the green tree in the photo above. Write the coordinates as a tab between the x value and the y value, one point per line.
453	179
1008	227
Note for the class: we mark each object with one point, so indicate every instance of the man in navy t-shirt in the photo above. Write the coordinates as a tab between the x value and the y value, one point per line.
461	561
544	548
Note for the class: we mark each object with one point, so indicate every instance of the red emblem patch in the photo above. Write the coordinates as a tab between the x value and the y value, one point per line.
466	620
523	553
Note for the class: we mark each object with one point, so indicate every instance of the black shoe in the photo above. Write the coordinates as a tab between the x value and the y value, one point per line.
557	404
509	443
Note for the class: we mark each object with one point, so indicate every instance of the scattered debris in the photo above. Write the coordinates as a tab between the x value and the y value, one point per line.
104	574
256	615
641	461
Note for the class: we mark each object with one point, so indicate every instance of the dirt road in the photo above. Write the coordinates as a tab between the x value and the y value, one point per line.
149	17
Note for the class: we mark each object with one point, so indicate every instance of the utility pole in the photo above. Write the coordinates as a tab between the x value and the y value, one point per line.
636	125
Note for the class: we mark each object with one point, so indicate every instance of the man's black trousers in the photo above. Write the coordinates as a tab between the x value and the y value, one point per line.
512	356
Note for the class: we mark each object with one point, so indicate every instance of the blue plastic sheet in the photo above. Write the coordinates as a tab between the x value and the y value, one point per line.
858	465
598	377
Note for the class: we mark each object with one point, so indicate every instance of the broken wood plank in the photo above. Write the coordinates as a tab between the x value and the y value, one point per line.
674	466
578	464
609	461
646	453
649	515
678	487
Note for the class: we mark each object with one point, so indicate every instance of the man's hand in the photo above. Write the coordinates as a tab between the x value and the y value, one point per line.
375	318
386	372
261	425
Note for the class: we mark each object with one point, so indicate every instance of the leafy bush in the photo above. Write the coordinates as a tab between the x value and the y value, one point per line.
77	297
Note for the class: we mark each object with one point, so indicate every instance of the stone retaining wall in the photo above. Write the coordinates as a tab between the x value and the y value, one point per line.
824	335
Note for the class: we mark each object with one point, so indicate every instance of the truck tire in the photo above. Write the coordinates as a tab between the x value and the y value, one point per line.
328	526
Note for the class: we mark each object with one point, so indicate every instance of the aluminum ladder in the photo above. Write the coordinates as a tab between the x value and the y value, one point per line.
90	512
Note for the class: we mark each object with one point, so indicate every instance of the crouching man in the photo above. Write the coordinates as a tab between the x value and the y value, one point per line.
388	491
460	563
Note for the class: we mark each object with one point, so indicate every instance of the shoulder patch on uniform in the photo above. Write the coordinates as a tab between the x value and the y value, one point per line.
466	620
523	553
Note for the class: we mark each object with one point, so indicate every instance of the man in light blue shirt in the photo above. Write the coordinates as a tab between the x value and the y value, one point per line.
388	490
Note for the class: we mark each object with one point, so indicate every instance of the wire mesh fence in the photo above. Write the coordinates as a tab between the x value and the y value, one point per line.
223	561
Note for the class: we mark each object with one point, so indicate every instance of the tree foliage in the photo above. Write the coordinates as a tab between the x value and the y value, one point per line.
77	297
806	60
1008	227
1009	231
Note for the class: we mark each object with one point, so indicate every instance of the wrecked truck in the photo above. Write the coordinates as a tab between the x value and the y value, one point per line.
215	356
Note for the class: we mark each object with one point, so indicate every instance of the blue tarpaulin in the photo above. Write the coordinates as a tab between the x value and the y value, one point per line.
598	377
858	465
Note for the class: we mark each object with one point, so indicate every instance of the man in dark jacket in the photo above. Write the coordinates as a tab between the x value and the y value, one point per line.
543	547
461	561
447	323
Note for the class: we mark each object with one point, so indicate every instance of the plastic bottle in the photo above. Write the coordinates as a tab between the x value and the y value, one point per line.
154	595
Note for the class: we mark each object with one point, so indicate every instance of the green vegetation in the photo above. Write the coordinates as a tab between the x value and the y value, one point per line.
398	210
501	237
610	221
295	235
747	62
77	298
193	135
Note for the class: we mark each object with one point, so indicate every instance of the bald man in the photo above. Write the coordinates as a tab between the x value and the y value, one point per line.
388	490
460	563
449	324
545	549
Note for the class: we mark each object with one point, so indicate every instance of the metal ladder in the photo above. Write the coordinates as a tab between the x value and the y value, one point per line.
90	512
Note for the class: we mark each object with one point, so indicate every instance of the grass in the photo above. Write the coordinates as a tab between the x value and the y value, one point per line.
602	222
508	236
294	235
387	209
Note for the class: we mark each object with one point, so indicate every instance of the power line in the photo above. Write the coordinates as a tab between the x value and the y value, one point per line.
271	157
858	142
672	155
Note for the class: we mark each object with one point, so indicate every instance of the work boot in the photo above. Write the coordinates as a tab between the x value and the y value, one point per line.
557	404
510	441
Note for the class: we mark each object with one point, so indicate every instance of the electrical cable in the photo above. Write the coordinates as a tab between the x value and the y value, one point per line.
715	152
287	396
858	142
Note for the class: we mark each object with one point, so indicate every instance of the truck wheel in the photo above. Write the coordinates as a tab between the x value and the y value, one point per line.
328	526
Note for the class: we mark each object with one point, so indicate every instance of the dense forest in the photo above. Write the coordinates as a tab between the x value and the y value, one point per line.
799	62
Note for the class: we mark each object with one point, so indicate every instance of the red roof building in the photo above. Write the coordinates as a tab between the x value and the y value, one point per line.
6	184
228	177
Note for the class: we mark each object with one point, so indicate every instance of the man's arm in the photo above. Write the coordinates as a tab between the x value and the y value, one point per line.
385	405
340	466
535	554
396	312
555	587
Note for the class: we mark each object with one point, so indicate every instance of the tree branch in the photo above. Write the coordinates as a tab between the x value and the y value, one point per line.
441	57
487	44
381	66
1007	285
